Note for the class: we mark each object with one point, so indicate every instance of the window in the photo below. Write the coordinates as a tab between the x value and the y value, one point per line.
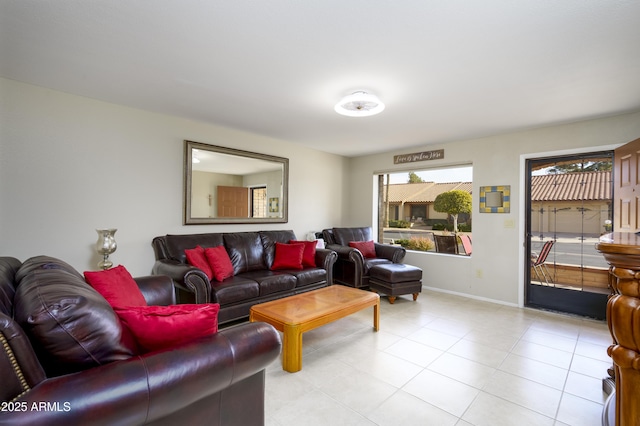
408	214
259	201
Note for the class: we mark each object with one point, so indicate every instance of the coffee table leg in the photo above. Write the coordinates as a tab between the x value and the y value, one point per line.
292	349
376	316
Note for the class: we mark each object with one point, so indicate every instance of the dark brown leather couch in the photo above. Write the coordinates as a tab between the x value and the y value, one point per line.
251	254
351	267
62	361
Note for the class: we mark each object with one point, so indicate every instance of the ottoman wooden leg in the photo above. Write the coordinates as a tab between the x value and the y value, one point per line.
415	296
392	299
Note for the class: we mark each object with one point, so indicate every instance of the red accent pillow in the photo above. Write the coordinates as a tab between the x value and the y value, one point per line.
367	248
117	286
288	256
159	327
220	262
309	253
196	258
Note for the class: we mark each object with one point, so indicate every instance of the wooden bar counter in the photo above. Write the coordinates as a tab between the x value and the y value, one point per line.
622	252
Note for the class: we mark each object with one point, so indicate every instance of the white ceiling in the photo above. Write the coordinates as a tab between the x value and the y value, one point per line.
446	69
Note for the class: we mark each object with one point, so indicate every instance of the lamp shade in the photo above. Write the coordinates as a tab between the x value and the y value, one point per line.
359	104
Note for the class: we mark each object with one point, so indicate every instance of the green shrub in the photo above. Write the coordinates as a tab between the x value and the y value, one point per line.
442	226
399	224
433	222
417	243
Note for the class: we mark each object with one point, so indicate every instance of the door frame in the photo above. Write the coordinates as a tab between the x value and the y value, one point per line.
523	260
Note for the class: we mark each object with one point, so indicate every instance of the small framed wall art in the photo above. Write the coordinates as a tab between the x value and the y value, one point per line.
495	199
273	205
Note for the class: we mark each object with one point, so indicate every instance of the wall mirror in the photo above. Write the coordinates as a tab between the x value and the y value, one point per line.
226	185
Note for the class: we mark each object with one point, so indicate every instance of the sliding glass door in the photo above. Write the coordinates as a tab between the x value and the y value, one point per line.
569	205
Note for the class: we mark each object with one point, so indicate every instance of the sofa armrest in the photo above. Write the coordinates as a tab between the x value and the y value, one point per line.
393	253
185	277
352	255
347	253
143	389
157	289
325	258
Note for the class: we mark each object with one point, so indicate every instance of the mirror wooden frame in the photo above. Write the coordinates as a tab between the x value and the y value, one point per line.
189	146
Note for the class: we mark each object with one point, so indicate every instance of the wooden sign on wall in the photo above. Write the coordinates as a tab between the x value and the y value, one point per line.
437	154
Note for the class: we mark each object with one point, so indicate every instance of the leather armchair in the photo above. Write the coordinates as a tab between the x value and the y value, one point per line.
207	381
351	267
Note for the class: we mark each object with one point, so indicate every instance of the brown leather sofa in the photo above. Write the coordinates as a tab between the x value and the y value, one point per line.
251	254
351	267
62	361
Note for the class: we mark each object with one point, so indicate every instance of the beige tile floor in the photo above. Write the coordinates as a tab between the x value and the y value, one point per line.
445	360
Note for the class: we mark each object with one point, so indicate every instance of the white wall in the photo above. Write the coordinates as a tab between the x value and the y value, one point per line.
495	270
69	164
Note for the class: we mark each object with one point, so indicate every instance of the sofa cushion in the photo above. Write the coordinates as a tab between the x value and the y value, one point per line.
196	257
288	256
370	263
245	251
234	290
160	327
70	325
219	262
309	276
367	248
177	244
309	254
270	282
117	286
44	262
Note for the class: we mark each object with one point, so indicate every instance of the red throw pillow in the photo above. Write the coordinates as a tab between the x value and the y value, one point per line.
309	253
196	258
159	327
367	248
219	261
288	256
117	286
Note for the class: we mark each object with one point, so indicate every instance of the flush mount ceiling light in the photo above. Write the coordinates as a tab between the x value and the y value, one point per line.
359	104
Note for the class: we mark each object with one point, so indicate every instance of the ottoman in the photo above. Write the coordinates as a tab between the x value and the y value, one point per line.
395	279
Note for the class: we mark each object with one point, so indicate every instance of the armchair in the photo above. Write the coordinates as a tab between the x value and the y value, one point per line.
63	360
351	267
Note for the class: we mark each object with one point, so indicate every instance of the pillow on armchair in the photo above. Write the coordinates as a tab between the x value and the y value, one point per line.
367	248
159	327
152	327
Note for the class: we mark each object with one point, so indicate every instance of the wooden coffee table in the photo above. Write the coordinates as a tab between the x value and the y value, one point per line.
303	312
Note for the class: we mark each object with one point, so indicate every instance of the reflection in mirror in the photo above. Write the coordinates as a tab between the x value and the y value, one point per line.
225	185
